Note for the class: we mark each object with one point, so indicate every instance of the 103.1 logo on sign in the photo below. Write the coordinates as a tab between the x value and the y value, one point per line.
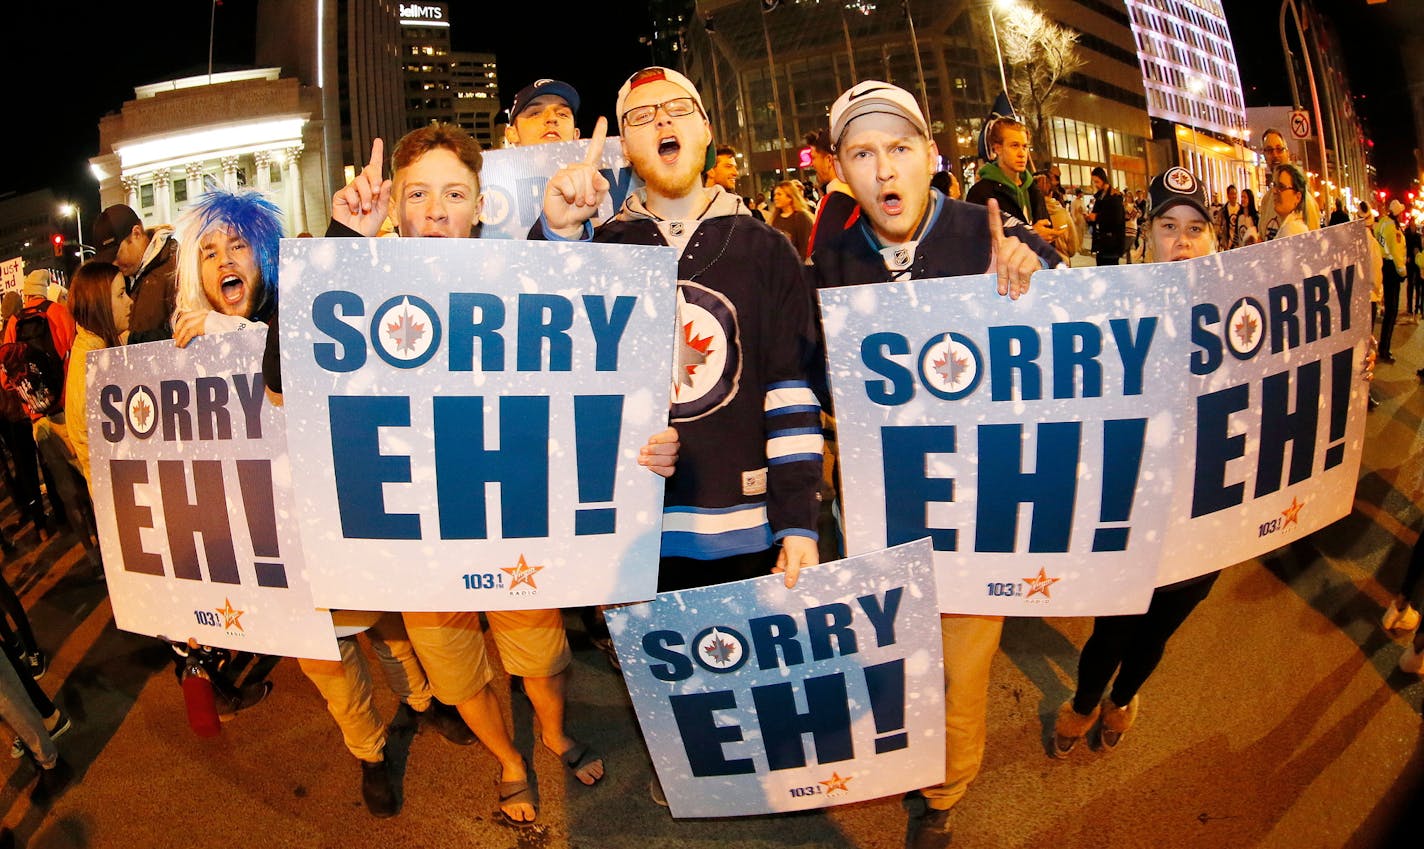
484	581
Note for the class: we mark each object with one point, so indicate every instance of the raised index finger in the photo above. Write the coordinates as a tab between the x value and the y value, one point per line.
378	153
595	143
996	223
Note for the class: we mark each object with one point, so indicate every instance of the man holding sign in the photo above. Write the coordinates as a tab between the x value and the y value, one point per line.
434	192
750	466
906	230
749	423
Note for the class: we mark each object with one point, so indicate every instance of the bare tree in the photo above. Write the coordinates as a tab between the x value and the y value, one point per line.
1039	54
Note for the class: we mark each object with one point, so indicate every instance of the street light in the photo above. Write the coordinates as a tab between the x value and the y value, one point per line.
67	209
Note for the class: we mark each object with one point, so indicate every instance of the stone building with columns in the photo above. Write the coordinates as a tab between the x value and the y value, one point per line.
236	129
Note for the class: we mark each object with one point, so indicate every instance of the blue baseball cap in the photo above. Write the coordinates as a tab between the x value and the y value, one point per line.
538	88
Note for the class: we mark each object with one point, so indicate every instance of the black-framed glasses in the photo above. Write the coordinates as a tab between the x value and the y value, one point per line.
678	107
1284	187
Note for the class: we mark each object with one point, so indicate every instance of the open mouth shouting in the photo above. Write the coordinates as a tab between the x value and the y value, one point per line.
891	203
668	149
234	295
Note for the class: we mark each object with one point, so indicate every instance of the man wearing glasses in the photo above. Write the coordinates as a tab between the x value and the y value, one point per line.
743	501
1273	148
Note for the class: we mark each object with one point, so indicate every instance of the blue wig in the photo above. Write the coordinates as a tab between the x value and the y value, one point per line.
248	214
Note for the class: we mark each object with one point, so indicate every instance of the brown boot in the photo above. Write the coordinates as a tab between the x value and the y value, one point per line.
1071	727
1116	721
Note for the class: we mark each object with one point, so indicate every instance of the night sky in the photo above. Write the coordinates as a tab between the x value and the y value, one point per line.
113	47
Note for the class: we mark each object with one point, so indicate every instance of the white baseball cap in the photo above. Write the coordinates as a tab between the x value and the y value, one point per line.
869	96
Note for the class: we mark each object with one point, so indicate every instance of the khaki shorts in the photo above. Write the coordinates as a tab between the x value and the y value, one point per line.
532	643
451	647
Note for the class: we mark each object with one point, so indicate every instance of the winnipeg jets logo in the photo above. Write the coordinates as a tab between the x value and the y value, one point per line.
406	330
706	358
950	366
1180	180
497	206
1246	323
720	649
142	412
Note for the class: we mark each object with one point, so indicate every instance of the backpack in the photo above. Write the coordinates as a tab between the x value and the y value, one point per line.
31	363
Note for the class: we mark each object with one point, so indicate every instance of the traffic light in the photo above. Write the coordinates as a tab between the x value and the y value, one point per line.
58	241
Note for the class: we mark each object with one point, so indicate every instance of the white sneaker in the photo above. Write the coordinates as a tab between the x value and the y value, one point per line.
1404	620
1411	661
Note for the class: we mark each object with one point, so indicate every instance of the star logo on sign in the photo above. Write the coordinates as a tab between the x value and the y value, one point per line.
836	783
232	618
1040	584
522	574
1291	514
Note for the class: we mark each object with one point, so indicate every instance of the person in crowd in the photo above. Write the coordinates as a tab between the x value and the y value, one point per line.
1248	226
1124	650
148	257
1414	293
791	217
434	191
346	686
1228	220
1063	238
884	151
91	299
1080	207
1339	215
22	471
1288	199
836	204
1276	153
1006	178
543	111
17	641
725	173
1131	212
226	249
48	327
227	264
1402	616
37	736
1107	218
1391	241
725	426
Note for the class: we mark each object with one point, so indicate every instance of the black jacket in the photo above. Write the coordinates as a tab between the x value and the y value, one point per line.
1109	226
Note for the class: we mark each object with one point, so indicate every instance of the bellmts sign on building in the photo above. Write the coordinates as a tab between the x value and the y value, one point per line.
467	416
754	698
1114	430
192	498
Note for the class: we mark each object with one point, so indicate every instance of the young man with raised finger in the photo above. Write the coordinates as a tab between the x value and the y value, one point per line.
907	230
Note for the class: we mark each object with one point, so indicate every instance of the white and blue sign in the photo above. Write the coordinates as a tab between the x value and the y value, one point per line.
1271	453
1063	449
755	699
465	418
192	493
512	180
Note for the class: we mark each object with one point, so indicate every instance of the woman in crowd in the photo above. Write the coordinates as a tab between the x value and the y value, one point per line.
91	300
1289	197
1130	647
1248	225
790	215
